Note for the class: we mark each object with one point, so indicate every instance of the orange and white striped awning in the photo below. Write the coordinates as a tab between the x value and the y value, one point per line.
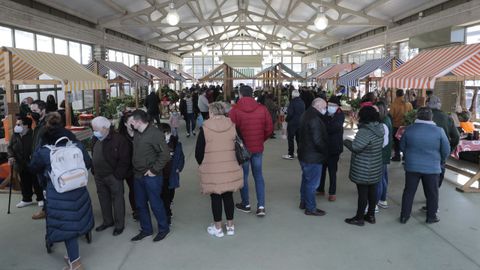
422	71
29	65
336	71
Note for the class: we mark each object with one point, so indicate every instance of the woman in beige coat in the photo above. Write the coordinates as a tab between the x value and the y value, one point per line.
220	174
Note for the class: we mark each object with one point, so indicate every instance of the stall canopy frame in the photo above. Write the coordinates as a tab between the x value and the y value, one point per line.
156	73
284	73
456	63
354	77
18	66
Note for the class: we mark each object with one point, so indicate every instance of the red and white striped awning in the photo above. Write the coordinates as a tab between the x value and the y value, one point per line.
422	71
336	71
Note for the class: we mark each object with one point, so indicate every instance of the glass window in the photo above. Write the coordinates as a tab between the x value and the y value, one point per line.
473	34
297	68
297	60
137	59
74	50
111	55
6	37
118	57
131	60
44	44
287	59
86	54
61	46
24	40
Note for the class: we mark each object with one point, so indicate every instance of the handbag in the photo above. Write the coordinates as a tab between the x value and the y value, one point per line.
241	151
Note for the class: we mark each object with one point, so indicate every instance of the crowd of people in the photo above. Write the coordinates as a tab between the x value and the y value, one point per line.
149	158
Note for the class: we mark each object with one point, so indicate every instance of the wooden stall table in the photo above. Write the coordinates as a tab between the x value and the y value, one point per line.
466	146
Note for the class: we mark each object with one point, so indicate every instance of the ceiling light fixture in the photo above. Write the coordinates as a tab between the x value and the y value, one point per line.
321	22
204	48
284	43
172	17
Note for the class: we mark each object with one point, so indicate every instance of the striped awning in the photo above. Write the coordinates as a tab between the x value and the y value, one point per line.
155	72
172	74
185	75
336	70
319	72
422	71
121	69
290	74
29	65
353	77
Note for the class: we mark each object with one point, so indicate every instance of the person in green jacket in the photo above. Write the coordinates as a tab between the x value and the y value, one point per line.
366	165
150	155
386	154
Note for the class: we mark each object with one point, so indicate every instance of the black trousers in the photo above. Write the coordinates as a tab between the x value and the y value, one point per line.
291	135
442	175
29	181
205	115
131	193
156	117
227	199
366	194
396	143
430	188
332	166
167	198
112	202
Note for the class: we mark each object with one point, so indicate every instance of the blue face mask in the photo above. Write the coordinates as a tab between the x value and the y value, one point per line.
99	135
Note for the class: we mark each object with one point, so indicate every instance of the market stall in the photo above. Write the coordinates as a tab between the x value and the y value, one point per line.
274	76
319	71
19	67
154	74
227	74
366	73
124	75
329	78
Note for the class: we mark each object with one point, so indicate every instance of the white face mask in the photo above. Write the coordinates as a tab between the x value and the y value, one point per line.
323	111
167	137
332	109
18	129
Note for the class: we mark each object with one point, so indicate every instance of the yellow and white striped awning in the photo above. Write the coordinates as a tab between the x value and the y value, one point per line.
29	65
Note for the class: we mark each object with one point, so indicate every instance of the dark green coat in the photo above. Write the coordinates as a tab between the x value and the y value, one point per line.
150	152
444	121
366	163
387	150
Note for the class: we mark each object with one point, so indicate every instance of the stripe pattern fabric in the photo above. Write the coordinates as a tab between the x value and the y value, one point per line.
422	71
319	72
336	70
155	72
121	69
29	65
353	77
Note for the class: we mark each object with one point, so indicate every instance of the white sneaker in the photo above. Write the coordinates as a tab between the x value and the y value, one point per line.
23	204
230	230
212	230
383	204
376	209
287	157
40	203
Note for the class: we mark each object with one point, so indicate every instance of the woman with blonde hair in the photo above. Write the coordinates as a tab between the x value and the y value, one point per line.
220	173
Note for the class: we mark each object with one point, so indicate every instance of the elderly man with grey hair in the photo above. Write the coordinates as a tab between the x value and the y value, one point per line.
426	147
111	158
445	122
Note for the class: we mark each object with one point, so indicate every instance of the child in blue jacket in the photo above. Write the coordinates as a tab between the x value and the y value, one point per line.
171	171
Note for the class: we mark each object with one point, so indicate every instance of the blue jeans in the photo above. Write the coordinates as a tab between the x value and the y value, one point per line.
311	173
72	249
190	122
147	190
382	185
256	163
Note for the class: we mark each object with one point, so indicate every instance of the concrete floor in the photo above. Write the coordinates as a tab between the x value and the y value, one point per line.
284	239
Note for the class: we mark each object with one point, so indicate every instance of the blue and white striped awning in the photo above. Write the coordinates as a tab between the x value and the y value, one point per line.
353	77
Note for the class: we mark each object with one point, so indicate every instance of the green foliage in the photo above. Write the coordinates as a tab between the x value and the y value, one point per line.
463	116
410	117
115	105
355	104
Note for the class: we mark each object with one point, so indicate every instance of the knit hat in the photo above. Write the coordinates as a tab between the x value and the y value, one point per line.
295	93
434	102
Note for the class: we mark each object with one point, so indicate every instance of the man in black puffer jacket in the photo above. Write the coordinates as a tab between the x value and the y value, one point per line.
294	112
312	153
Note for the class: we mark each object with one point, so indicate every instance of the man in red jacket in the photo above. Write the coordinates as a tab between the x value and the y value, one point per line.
254	123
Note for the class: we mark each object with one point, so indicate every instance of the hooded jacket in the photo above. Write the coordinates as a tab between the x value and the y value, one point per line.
366	163
215	152
254	123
